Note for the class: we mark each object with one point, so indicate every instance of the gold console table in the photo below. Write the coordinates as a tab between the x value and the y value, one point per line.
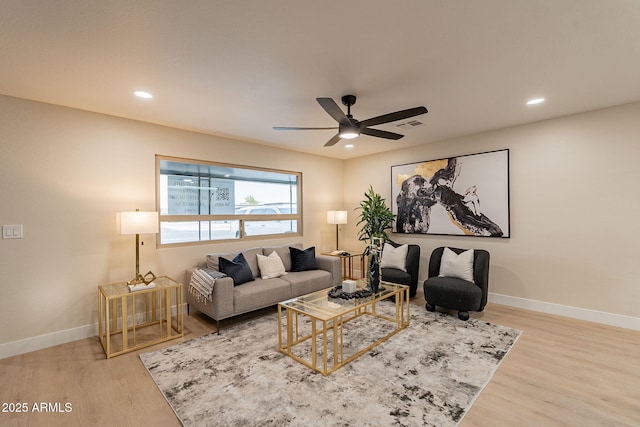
129	321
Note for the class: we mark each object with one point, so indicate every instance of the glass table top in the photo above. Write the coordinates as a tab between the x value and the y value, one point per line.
319	305
118	289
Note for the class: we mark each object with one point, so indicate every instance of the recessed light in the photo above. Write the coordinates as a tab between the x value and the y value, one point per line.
535	101
143	94
348	146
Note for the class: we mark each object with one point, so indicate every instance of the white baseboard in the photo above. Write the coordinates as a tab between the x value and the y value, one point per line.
55	338
61	337
48	340
611	319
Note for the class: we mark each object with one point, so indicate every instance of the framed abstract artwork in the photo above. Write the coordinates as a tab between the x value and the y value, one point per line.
465	195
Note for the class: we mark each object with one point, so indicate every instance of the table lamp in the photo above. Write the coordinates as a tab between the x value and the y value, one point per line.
337	218
139	223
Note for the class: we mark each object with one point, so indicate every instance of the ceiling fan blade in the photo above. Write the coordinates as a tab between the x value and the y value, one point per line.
333	141
294	128
392	117
381	133
332	109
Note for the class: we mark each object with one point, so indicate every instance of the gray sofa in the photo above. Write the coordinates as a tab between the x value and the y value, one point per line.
228	300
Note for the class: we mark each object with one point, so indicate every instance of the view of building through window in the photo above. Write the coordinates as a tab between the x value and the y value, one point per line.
203	201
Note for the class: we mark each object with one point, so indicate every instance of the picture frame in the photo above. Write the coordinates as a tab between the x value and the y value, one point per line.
465	195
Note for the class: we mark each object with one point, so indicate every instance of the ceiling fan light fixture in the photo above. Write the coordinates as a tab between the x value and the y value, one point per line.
349	135
348	131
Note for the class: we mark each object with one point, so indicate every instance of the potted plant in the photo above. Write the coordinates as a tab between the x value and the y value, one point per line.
376	218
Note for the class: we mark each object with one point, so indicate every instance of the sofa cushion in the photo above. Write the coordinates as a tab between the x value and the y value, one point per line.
283	252
270	266
303	260
394	257
213	259
260	293
304	282
251	256
457	265
237	269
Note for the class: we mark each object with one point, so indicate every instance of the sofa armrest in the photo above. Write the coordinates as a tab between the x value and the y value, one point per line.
221	305
332	265
187	276
223	298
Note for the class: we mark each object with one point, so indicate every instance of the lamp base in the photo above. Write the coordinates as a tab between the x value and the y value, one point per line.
146	279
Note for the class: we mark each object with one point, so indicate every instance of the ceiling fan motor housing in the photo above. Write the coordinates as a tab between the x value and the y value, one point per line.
349	100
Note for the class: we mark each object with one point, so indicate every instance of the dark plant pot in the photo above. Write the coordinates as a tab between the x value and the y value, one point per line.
374	273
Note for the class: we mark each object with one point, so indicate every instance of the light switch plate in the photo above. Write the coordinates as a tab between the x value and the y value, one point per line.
12	231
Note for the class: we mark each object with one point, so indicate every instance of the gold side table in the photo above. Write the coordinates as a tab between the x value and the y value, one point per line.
129	321
346	259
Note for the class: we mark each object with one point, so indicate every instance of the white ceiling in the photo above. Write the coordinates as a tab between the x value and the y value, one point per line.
237	68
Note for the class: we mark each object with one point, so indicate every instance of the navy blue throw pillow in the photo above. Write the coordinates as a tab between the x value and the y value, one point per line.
238	269
303	260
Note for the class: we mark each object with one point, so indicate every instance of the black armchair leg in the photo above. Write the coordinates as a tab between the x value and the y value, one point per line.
430	307
463	315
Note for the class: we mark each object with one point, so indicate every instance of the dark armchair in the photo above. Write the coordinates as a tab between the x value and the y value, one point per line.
453	292
409	277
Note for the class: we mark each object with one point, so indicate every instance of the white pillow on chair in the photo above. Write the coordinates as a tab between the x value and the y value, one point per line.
457	265
393	257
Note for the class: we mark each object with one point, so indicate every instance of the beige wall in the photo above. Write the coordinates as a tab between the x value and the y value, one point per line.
65	173
574	208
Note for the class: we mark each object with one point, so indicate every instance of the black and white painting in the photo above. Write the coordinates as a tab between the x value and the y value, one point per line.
464	195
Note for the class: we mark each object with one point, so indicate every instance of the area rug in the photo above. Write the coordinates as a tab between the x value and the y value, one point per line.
428	374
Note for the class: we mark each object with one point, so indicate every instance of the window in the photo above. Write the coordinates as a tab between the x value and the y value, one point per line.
203	201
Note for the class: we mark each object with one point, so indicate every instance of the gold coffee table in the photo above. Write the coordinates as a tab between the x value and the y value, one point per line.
312	328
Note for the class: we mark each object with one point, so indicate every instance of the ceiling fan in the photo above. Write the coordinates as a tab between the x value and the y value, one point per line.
349	128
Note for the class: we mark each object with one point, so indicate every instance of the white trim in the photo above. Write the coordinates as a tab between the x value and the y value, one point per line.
62	337
55	338
48	340
611	319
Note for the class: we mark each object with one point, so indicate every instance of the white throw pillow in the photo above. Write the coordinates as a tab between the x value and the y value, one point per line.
454	265
270	266
394	257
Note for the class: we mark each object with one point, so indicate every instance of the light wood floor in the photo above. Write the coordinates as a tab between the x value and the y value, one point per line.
561	372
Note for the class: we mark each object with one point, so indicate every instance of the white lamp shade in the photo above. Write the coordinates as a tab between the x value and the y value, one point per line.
139	222
337	217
